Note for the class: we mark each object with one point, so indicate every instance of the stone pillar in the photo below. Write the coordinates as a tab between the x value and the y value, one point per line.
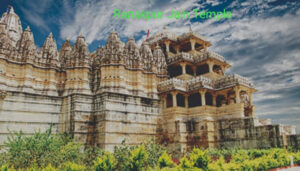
167	43
177	49
192	44
214	100
210	66
202	93
186	101
250	98
174	100
237	95
183	68
194	70
204	47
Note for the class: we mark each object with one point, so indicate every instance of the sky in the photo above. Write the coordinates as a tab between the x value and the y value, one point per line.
261	41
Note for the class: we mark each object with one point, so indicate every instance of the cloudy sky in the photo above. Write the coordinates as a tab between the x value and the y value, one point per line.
261	41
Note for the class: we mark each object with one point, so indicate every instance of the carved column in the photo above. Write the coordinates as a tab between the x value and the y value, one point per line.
183	68
177	49
250	98
214	99
174	99
237	95
202	93
186	100
167	43
192	44
194	70
210	66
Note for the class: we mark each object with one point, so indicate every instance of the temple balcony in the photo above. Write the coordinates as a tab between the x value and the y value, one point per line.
232	80
182	56
171	84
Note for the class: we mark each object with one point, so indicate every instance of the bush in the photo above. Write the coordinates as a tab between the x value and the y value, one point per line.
200	159
69	166
154	151
38	150
185	163
105	163
49	168
165	160
138	158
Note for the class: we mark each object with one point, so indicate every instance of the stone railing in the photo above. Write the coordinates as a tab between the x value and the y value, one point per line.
181	56
231	81
200	82
171	84
158	36
212	54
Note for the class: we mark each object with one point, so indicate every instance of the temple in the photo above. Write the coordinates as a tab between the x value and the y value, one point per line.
172	88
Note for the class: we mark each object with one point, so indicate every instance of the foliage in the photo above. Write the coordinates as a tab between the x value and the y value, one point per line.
165	160
70	166
105	163
199	158
185	163
138	158
49	168
91	154
38	150
53	152
7	168
154	151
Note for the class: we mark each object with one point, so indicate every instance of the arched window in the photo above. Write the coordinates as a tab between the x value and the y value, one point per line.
194	100
202	69
174	70
189	70
208	99
169	100
180	100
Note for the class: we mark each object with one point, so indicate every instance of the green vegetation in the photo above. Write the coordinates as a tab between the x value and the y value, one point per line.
58	152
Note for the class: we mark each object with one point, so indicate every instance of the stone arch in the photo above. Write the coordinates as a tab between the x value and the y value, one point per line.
169	101
180	100
202	69
174	70
194	100
208	99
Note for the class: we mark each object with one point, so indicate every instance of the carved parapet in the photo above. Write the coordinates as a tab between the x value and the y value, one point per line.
199	82
181	57
231	81
172	84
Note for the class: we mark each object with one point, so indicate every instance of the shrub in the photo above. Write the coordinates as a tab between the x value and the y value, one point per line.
39	149
105	163
138	158
49	168
122	154
70	166
165	160
91	154
199	158
185	163
7	168
154	151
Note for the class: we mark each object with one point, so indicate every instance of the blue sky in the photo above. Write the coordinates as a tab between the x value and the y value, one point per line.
261	41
